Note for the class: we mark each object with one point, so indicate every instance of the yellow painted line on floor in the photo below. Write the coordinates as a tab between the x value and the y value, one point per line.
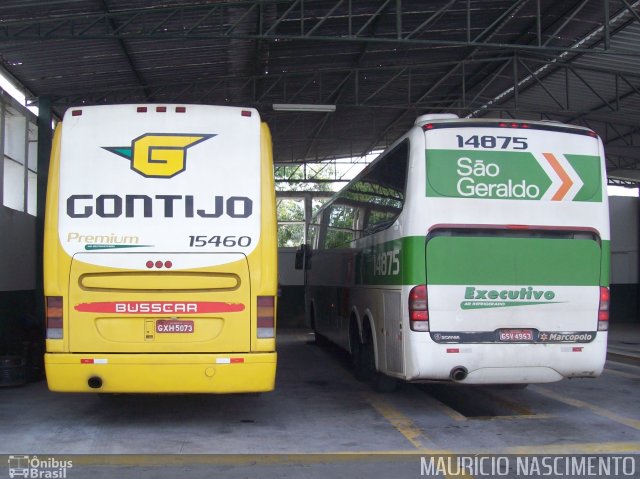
335	457
627	421
586	448
505	403
405	426
515	418
622	374
444	409
401	422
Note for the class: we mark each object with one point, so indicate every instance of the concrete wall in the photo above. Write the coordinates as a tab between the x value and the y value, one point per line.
17	250
624	213
625	221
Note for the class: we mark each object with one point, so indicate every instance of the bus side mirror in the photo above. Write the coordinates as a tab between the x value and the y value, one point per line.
302	256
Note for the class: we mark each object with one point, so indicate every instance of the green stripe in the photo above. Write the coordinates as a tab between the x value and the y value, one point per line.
513	261
605	263
486	260
588	169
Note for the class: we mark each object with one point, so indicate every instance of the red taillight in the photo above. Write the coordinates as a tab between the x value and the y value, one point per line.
603	309
418	308
54	317
246	113
76	112
266	316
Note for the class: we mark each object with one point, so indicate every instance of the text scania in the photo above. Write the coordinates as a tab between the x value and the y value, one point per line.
135	206
480	179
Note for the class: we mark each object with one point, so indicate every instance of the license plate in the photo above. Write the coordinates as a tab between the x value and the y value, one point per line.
174	326
515	335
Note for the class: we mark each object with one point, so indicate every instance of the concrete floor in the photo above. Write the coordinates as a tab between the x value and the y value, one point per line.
319	422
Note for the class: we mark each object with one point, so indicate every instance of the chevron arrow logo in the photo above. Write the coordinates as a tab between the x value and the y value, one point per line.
565	182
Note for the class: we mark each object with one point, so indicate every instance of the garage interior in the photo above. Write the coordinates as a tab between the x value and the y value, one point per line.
335	80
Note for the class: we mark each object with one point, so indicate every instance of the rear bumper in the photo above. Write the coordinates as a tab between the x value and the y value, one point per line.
162	373
501	363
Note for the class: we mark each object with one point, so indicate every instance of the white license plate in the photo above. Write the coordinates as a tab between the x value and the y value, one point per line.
516	335
174	326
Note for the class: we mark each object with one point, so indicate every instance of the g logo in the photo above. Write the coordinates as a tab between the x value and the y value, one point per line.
159	155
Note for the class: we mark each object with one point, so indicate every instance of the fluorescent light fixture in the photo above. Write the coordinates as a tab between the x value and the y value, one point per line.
303	107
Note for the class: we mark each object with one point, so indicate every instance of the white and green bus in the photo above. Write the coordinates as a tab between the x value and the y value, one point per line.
471	250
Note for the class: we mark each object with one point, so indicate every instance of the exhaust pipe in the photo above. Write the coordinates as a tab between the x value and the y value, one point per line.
459	373
95	382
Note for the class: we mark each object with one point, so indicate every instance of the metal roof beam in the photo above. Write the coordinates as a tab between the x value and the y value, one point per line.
193	22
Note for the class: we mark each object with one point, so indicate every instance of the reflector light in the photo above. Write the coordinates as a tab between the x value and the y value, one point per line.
161	109
246	113
577	350
502	125
229	360
524	125
76	113
54	317
141	109
168	264
181	109
418	308
149	264
603	309
266	316
158	264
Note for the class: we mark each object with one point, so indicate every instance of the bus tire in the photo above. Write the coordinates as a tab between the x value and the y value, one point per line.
356	352
319	339
367	354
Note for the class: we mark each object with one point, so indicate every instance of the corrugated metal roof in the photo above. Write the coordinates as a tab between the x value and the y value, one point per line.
381	62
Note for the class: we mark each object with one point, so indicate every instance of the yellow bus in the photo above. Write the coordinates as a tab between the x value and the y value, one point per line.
160	270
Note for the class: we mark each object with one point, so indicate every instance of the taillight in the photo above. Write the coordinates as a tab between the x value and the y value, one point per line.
266	317
603	309
418	308
54	317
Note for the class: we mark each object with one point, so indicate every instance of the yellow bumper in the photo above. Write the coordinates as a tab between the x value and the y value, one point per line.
161	373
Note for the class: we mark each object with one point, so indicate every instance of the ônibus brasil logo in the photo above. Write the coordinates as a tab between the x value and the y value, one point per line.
476	298
159	155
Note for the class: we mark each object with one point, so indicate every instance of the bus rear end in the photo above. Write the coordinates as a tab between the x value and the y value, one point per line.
160	251
516	254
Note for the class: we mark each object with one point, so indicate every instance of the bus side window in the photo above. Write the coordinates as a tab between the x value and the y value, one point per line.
340	230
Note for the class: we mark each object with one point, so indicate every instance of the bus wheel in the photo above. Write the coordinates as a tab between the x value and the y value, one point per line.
367	356
357	357
319	339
